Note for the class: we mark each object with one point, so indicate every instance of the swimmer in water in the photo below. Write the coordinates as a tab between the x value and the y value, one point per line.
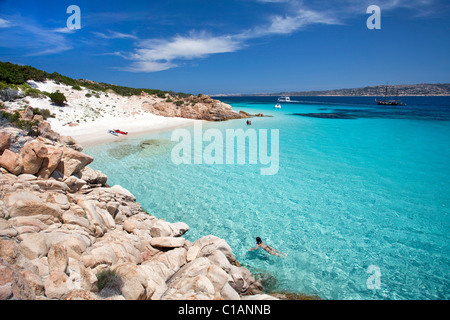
269	249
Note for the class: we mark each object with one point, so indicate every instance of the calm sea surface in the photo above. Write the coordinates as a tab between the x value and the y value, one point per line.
361	205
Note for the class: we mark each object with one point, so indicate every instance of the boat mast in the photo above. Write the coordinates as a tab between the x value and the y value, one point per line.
385	92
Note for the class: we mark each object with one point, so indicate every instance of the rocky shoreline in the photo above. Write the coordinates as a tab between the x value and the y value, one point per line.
66	234
201	107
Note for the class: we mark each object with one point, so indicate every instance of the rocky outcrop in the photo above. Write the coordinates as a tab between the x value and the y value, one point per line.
33	154
5	141
12	162
193	107
14	138
65	234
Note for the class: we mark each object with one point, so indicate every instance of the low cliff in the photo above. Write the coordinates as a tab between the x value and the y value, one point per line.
199	107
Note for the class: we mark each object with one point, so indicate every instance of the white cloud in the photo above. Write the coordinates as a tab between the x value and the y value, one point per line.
149	66
32	38
303	17
5	23
189	47
46	41
64	30
158	55
115	35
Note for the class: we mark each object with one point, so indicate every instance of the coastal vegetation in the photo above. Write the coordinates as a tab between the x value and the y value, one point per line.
109	280
31	127
13	75
18	82
57	98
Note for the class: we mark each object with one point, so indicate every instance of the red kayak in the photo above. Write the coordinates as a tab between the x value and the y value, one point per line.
120	131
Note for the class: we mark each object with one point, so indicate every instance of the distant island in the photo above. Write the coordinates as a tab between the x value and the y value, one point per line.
422	89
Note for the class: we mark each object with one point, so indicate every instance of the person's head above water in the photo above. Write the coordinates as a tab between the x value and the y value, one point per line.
258	240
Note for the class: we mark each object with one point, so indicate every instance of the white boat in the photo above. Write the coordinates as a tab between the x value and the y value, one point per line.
278	106
284	99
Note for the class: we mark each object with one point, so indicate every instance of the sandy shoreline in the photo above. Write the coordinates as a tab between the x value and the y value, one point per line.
87	116
96	132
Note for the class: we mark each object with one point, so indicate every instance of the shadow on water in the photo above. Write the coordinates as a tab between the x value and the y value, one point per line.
154	147
121	151
259	254
404	114
145	148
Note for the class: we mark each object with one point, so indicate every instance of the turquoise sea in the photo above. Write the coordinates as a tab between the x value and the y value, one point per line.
371	190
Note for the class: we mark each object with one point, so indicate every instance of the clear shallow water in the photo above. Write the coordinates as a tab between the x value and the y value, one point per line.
373	190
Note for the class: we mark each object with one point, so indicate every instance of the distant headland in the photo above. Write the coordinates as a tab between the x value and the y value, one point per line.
422	89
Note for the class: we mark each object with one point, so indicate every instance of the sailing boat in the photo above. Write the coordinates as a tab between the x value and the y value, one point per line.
386	102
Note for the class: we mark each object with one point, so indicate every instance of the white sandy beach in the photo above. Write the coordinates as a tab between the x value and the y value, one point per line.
87	119
96	132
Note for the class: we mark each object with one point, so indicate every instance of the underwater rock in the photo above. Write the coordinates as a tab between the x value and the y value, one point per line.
326	115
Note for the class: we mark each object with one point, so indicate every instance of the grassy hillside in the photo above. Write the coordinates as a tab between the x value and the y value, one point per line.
15	75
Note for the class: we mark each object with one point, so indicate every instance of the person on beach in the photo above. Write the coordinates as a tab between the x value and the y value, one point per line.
269	249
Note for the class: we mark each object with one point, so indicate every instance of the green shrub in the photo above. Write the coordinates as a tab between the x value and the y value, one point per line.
109	283
58	98
76	87
161	94
16	120
45	113
34	93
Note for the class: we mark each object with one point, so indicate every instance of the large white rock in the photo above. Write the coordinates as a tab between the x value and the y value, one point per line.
167	242
57	258
100	219
11	161
29	204
33	154
73	161
162	228
190	282
192	253
156	273
209	244
57	285
119	190
134	281
34	245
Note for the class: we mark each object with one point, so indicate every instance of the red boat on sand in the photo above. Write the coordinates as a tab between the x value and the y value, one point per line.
120	131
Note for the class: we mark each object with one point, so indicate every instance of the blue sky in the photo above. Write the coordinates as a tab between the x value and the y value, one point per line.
233	46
